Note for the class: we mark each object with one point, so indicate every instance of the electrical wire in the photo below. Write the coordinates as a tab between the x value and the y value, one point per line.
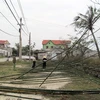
8	21
14	9
19	3
24	31
8	33
17	15
97	30
52	71
39	20
11	11
56	55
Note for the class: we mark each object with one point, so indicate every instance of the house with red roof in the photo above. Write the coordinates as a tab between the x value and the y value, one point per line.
54	48
5	49
51	44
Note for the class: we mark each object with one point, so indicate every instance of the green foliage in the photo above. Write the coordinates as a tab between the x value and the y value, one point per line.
9	63
92	62
14	52
85	23
25	50
76	97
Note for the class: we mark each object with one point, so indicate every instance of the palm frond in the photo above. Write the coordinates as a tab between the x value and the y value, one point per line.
76	18
96	18
83	17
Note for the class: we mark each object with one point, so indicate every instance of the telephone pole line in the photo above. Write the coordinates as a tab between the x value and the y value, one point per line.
20	40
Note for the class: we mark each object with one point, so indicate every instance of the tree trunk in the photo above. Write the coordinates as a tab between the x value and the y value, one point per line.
96	44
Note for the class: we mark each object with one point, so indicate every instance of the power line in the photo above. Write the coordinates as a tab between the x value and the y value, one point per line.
56	24
8	33
19	3
56	55
14	9
13	14
8	21
53	70
97	30
11	11
24	31
17	14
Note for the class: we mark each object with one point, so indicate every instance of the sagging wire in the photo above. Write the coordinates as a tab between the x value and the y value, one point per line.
8	21
11	11
8	33
55	55
52	71
14	9
19	3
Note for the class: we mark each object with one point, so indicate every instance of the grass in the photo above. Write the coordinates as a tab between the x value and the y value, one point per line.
6	68
77	97
82	84
79	79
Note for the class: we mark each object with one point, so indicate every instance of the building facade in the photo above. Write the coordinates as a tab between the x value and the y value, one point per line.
5	49
51	44
54	48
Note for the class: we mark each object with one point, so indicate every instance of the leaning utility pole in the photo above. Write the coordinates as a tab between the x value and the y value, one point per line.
20	40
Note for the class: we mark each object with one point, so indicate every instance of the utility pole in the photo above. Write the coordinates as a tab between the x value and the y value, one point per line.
30	47
20	40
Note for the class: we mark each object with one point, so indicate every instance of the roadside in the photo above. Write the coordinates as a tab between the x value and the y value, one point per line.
69	79
11	58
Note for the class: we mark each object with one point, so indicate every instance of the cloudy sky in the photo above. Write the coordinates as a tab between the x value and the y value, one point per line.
45	19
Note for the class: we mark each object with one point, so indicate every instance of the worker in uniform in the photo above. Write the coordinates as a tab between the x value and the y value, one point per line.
44	62
14	62
34	62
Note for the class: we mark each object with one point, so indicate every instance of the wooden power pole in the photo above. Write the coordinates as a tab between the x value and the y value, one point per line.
20	40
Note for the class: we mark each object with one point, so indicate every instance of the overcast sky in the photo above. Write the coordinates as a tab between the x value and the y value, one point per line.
45	19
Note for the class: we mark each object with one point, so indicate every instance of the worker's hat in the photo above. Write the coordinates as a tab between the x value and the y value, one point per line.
44	56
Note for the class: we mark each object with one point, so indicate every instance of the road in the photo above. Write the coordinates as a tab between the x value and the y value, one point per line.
10	59
5	59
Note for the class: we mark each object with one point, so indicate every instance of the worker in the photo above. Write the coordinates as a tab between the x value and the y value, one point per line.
44	62
34	62
14	62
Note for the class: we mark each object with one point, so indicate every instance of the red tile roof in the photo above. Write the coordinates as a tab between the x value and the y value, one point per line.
4	42
56	42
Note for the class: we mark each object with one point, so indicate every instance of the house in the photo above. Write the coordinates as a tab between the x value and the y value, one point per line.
51	44
5	50
86	52
54	48
56	54
39	54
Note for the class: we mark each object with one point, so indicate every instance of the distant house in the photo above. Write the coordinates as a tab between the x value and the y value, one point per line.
84	51
56	54
54	48
5	50
39	54
51	44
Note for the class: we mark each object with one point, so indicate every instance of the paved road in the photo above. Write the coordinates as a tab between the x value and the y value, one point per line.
10	59
5	59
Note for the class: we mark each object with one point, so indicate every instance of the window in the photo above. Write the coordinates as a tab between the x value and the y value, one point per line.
51	46
59	46
46	47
